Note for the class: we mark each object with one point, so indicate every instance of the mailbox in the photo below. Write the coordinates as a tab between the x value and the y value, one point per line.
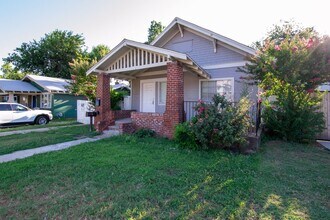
91	114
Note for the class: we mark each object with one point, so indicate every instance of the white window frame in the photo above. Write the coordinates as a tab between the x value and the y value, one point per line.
49	100
159	103
155	80
217	79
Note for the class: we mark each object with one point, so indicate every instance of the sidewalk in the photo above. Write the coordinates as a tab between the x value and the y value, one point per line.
54	147
5	133
325	144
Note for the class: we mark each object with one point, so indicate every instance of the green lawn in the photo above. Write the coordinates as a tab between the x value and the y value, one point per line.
11	143
124	177
53	123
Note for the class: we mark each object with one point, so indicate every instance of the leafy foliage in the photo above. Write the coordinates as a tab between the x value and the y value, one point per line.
292	54
86	84
10	73
293	115
218	125
154	30
50	56
98	52
289	65
184	137
144	133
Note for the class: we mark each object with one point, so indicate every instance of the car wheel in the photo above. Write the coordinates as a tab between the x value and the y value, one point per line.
41	120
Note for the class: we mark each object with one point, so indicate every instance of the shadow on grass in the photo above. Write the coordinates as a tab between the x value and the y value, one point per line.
126	177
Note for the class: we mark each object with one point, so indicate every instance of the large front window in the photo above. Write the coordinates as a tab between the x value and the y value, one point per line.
223	87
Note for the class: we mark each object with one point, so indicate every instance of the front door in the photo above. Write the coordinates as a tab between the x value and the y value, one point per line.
148	97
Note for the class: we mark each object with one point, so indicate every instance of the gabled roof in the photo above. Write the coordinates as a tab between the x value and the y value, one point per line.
49	84
120	86
18	86
179	24
132	56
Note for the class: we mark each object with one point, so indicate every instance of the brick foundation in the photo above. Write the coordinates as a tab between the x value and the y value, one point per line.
120	114
126	128
106	116
153	121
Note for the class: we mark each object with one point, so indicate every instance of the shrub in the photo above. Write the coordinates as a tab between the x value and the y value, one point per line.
144	132
220	124
294	115
184	137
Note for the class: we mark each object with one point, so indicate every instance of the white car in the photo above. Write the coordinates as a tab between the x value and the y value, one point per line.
14	113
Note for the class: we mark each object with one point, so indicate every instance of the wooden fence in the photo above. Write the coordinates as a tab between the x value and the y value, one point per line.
326	110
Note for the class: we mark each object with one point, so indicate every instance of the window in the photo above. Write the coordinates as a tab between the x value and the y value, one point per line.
221	86
46	100
5	107
162	93
6	98
19	108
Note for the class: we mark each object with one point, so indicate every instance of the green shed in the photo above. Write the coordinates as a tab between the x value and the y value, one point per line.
55	95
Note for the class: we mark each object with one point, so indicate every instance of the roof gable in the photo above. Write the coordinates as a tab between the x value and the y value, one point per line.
49	84
129	56
178	25
9	85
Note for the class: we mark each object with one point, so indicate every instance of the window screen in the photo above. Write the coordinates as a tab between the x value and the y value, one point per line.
222	87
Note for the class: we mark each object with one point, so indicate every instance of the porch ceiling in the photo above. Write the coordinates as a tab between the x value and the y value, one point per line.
129	58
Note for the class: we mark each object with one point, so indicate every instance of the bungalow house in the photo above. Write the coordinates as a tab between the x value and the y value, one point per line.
41	92
183	64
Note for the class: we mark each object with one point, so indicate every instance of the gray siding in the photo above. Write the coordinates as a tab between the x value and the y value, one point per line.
191	86
201	50
136	93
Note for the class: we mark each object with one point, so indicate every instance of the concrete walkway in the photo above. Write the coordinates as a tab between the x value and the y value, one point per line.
5	133
325	144
54	147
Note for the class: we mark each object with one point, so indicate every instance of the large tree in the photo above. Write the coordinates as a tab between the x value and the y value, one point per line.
86	84
290	63
154	30
50	56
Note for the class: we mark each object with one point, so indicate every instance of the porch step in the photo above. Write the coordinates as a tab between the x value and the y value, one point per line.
114	127
111	132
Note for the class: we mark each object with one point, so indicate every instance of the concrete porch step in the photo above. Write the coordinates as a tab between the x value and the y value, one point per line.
111	132
113	127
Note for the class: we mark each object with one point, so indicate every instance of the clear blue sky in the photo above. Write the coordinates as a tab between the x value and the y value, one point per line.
109	21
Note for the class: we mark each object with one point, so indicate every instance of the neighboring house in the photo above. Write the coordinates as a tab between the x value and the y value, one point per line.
20	92
183	64
41	92
121	87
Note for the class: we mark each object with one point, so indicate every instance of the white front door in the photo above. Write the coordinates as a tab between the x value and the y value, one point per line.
148	97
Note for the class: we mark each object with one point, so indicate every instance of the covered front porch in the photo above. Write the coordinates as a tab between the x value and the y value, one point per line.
158	78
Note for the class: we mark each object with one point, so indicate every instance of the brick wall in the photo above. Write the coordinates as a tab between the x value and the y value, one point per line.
106	116
120	114
126	128
153	121
174	112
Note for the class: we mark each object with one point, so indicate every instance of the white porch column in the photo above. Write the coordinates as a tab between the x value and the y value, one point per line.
11	97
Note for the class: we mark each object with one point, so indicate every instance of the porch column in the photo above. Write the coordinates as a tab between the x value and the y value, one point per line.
11	97
174	98
105	116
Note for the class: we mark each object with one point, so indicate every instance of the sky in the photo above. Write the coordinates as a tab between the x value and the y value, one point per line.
109	21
